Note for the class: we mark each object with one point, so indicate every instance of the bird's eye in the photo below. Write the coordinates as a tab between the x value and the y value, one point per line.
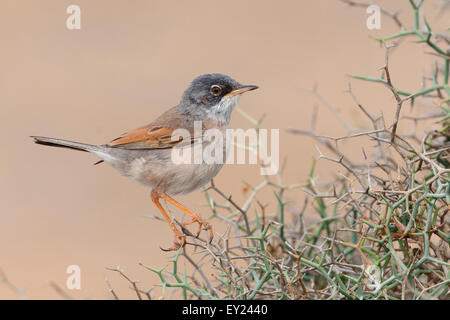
216	90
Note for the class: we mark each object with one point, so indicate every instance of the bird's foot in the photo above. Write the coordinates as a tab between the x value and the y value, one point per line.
180	242
201	225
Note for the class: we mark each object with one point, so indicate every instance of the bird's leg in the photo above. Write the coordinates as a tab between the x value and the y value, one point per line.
195	217
180	239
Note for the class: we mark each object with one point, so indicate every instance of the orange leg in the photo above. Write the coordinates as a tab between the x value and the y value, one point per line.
195	217
180	239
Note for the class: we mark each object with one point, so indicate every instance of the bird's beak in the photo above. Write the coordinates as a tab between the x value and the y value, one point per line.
241	90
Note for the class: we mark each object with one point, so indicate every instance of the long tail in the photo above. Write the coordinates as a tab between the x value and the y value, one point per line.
65	144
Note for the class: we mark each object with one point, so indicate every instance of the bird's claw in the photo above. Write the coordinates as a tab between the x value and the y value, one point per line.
180	242
201	225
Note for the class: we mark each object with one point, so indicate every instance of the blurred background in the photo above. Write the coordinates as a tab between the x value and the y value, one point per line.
131	61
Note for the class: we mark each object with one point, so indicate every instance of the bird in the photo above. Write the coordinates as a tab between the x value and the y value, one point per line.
145	154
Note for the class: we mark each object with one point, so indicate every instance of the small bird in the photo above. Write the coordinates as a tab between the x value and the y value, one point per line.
145	154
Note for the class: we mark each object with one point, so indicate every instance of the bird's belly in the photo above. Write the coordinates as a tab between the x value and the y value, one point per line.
176	178
190	177
155	169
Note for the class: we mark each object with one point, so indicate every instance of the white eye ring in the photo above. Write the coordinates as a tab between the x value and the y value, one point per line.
216	90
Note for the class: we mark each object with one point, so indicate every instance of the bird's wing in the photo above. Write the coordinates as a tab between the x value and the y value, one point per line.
157	135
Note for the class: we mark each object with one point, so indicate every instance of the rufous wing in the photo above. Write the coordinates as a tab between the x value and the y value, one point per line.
157	135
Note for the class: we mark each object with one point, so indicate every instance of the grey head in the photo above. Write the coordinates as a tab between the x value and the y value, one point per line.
213	95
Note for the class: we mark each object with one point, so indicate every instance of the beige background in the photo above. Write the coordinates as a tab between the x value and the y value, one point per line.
131	61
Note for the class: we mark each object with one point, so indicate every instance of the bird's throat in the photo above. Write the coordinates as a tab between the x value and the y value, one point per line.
222	110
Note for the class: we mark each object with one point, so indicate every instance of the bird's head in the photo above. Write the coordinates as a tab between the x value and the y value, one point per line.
214	94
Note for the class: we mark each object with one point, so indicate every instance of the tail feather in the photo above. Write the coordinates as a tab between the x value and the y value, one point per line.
60	143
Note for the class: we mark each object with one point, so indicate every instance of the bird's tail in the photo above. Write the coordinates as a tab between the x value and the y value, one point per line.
60	143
